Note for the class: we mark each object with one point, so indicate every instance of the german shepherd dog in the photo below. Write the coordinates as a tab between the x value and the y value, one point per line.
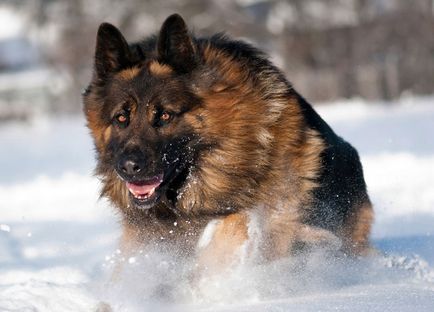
200	140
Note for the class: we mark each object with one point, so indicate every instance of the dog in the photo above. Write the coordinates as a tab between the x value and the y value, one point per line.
203	144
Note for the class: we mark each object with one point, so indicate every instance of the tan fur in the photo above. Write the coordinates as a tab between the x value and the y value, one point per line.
158	69
96	126
318	237
129	73
106	134
230	234
295	156
357	228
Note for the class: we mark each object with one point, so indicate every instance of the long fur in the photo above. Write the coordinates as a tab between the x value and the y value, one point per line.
247	139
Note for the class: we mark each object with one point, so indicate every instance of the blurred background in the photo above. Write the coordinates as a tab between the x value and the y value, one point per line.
366	65
330	49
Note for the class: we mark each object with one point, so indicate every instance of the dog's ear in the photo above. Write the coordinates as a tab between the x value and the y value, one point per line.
112	52
175	45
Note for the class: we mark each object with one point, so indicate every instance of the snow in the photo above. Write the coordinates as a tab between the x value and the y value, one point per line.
58	241
12	23
207	234
5	228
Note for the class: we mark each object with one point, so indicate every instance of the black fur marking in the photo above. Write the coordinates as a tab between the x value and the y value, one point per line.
112	52
341	183
175	46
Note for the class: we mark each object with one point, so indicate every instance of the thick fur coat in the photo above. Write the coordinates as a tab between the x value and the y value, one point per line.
199	135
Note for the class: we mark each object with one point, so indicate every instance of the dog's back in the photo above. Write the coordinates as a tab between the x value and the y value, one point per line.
341	203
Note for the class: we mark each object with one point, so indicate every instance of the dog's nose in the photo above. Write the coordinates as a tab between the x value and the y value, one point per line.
130	167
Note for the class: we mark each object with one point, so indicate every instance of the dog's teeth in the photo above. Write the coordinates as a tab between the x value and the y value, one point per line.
145	196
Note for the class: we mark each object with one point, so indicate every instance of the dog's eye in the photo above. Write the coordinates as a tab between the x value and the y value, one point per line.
165	117
122	119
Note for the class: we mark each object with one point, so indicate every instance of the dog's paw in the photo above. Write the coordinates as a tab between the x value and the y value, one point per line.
316	237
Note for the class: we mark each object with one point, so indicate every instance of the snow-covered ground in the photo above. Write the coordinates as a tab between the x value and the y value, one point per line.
56	238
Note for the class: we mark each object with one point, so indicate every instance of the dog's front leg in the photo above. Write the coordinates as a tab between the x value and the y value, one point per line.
223	244
129	244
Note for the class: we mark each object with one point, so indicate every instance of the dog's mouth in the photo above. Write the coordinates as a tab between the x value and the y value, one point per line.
145	192
145	189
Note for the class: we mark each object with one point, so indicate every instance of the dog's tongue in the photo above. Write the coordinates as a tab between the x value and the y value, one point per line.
144	188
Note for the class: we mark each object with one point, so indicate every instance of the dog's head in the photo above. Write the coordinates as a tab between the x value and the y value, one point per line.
143	113
182	120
